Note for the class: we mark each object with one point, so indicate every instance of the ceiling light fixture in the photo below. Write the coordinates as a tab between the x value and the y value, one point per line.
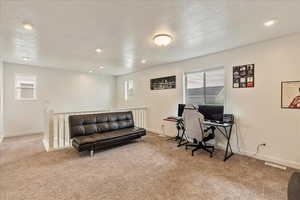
98	50
143	61
270	23
90	71
27	26
25	58
162	39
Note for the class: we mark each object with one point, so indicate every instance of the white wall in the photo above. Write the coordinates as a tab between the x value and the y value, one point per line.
1	100
59	90
257	110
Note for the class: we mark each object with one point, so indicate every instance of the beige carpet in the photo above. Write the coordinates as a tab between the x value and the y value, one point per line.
150	169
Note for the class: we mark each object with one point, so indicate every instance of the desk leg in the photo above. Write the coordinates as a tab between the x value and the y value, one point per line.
228	146
182	139
177	137
178	132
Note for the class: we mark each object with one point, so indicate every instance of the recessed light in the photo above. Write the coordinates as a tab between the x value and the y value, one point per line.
162	39
101	67
143	61
98	50
25	58
270	23
90	71
27	26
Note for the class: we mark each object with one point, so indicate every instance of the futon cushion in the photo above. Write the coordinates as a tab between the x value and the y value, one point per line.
81	140
84	125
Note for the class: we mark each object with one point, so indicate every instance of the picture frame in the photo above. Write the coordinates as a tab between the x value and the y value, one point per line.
290	94
243	76
163	83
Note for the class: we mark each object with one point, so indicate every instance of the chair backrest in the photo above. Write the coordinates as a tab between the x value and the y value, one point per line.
193	124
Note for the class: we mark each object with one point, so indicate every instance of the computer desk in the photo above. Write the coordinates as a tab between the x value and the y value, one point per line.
223	129
219	126
179	126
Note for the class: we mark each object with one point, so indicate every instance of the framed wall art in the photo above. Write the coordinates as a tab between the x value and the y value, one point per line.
243	76
290	94
163	83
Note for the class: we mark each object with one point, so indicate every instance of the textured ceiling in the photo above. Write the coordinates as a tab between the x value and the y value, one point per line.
67	32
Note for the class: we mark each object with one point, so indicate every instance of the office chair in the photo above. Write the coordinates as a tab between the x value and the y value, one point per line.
195	132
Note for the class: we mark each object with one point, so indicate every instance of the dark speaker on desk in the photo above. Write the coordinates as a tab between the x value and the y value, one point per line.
228	118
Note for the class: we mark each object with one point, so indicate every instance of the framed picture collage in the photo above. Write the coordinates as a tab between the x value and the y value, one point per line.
243	76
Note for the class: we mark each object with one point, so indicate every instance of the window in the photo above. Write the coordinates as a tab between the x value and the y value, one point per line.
128	85
25	87
205	87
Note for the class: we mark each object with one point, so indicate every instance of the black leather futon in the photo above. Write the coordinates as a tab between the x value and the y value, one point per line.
95	131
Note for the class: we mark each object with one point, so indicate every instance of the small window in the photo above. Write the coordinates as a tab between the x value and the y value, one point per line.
128	86
25	87
205	87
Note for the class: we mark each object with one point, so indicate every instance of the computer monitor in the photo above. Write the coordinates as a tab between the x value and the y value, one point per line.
180	109
212	112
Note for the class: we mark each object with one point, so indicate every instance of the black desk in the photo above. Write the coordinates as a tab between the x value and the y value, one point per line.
179	126
222	128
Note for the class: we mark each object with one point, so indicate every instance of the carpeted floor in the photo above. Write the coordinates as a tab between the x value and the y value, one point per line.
150	169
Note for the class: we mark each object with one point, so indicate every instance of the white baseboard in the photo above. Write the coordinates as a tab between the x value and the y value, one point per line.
273	159
20	134
154	131
46	145
266	158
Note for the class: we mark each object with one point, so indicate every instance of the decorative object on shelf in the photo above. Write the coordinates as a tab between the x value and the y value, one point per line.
243	76
163	83
290	94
